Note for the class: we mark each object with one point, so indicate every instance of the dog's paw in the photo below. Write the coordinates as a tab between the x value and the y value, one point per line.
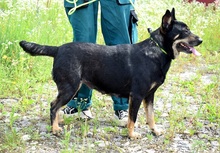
157	132
135	136
57	130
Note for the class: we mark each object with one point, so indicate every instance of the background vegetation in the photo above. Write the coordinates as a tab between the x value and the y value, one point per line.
26	81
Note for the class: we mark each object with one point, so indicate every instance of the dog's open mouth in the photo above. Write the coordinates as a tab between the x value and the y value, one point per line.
188	49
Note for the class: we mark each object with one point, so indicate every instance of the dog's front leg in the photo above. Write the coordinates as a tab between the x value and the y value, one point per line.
149	110
134	105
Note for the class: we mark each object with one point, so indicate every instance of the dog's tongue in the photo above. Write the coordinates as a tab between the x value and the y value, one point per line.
194	51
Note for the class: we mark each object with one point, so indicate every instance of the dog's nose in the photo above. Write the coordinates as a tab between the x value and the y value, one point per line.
200	40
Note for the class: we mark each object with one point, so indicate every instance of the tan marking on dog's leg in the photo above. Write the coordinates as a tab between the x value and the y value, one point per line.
150	118
131	133
60	116
55	127
146	111
131	125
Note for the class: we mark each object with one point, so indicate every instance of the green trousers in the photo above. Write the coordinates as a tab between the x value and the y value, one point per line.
118	23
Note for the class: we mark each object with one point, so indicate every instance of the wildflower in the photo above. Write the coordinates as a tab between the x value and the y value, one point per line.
4	57
22	59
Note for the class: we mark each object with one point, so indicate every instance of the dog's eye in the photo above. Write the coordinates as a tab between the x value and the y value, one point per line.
186	30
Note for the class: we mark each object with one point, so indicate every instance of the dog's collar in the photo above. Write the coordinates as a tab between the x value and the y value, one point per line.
158	46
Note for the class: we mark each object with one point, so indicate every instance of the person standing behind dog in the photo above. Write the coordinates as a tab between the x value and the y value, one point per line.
118	22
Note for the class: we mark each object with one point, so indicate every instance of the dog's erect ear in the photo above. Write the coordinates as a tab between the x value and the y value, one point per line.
167	20
173	14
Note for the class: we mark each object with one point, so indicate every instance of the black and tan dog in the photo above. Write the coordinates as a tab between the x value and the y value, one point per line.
134	71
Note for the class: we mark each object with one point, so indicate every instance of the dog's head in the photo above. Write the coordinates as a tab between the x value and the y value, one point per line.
177	36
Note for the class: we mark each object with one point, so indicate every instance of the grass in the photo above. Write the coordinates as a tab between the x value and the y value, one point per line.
28	80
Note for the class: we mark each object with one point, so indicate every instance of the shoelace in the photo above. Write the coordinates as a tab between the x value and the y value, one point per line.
122	114
68	110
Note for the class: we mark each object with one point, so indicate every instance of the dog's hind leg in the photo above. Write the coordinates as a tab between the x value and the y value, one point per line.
148	107
65	93
134	105
54	116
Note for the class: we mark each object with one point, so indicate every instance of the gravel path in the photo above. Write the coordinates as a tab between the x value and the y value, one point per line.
102	134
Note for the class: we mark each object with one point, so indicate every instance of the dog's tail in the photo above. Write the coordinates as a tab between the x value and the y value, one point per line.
37	50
